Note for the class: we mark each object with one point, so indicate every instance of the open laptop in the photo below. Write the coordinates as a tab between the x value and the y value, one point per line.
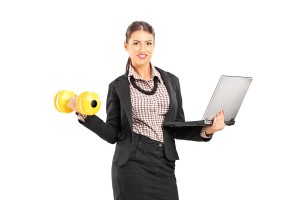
228	95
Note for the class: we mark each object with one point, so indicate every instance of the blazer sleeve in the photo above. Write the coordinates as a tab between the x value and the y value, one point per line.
109	131
185	133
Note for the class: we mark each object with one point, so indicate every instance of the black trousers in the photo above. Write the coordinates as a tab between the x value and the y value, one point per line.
147	175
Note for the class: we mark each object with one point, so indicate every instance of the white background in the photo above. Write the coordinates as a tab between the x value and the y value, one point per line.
47	46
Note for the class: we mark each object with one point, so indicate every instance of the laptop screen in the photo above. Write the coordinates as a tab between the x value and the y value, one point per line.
228	95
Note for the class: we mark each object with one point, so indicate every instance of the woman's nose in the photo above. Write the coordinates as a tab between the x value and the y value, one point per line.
142	47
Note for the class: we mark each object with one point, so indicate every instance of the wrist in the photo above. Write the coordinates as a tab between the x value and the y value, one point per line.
209	131
81	117
204	134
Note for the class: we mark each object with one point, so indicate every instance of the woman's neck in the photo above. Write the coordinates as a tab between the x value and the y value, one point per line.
144	71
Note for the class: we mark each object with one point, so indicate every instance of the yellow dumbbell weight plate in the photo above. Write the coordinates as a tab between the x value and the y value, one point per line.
61	101
88	103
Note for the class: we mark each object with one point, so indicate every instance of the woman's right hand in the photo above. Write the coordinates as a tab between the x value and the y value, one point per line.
72	103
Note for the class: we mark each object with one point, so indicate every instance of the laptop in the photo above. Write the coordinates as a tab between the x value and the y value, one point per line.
228	95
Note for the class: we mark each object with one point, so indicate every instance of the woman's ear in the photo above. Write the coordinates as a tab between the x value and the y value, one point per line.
126	46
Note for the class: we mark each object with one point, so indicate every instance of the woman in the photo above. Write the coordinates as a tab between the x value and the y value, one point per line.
138	102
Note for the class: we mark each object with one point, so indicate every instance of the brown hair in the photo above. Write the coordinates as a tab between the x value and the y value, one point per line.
137	26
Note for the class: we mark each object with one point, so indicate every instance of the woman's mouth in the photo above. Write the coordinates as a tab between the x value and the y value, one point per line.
142	56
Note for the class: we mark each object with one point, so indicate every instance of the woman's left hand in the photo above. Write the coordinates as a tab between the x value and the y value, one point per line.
217	125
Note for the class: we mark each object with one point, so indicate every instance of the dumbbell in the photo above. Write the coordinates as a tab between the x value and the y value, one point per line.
87	103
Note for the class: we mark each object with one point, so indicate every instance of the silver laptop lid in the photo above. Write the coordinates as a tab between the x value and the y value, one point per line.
228	95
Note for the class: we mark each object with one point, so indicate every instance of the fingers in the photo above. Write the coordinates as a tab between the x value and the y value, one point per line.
218	122
221	115
72	103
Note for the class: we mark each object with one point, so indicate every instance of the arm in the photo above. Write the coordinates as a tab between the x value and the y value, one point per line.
109	131
185	133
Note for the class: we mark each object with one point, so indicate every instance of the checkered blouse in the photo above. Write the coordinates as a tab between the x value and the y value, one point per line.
148	111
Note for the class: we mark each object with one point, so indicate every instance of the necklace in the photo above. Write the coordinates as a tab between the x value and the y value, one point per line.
132	80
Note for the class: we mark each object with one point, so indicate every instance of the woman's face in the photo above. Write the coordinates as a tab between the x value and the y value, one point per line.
140	47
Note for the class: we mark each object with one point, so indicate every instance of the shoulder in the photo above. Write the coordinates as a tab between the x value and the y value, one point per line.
172	77
119	80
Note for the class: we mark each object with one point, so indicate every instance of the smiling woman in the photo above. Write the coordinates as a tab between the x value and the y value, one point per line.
138	103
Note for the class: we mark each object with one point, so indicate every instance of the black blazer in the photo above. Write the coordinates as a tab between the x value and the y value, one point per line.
118	126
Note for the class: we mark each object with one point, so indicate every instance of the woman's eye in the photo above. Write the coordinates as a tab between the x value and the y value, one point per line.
149	43
135	43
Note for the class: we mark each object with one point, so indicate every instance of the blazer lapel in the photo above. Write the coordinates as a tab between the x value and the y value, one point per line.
123	92
172	94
